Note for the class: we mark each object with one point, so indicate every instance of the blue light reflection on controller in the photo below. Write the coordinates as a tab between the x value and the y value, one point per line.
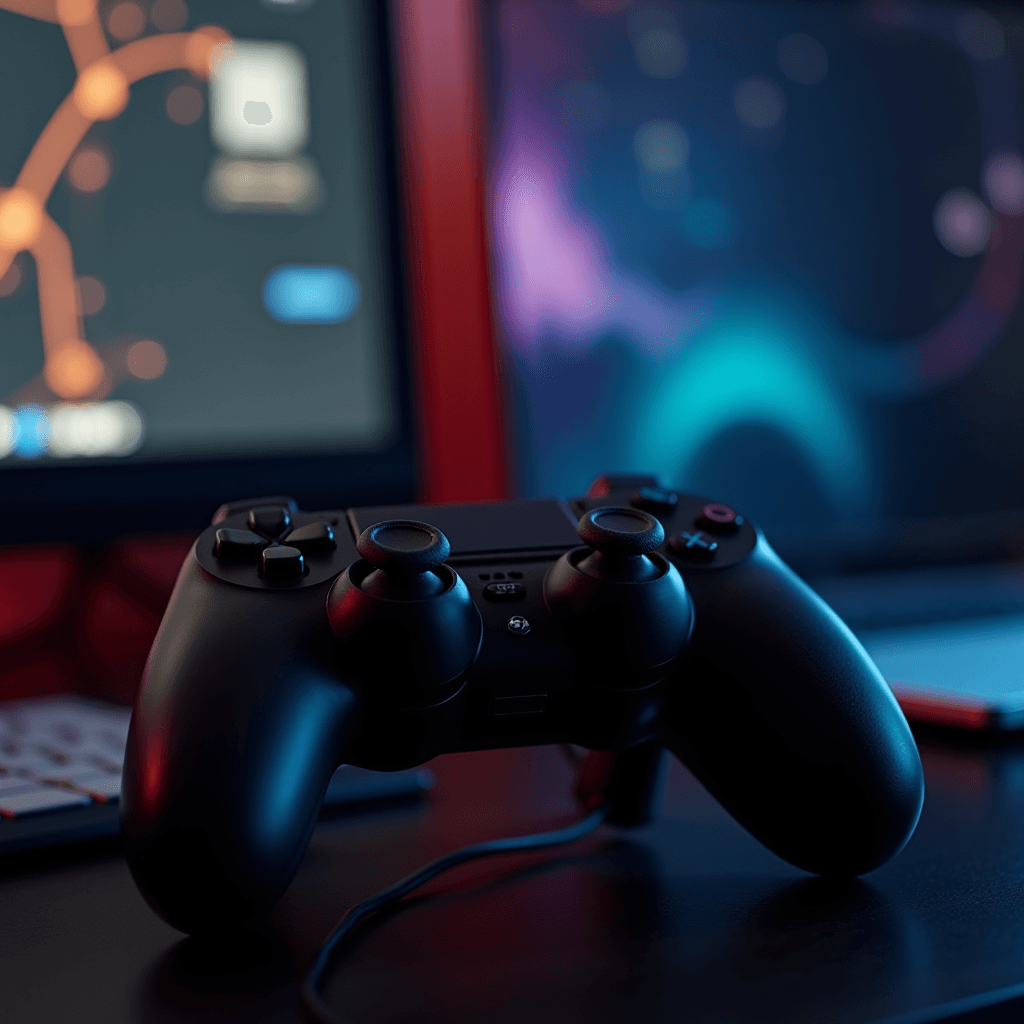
324	294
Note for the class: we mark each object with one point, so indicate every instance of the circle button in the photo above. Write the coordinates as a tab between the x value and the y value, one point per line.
719	519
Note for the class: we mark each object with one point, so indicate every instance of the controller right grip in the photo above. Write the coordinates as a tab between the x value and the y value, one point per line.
237	727
782	715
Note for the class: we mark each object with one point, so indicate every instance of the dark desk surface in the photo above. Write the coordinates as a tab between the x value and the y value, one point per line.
684	920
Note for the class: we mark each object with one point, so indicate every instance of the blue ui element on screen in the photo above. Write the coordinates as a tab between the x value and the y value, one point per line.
310	294
31	431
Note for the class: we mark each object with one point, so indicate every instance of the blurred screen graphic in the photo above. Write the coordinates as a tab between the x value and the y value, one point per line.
771	251
193	231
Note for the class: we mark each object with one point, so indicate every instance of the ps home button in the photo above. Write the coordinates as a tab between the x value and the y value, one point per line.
518	625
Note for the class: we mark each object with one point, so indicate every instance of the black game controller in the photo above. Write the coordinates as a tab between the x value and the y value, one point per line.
632	618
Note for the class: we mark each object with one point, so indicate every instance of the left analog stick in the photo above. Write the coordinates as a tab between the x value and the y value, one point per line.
404	554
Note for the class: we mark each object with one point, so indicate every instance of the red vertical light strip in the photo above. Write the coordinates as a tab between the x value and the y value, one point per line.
460	397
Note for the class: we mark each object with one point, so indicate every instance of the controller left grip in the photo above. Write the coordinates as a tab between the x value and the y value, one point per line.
232	743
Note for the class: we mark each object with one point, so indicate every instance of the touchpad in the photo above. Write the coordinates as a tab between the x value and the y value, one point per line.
485	527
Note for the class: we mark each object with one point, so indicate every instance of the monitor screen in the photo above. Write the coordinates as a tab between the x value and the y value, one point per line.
198	268
771	251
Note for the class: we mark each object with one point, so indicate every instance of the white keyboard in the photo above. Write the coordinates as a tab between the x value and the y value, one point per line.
60	774
59	753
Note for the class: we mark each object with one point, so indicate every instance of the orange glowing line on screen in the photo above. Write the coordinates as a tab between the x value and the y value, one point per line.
100	92
82	31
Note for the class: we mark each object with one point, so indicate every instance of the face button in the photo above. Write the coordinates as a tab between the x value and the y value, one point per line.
314	539
237	545
518	625
282	563
654	500
504	592
271	521
719	519
693	546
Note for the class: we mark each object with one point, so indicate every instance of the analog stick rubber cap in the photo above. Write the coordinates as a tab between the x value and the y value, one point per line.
621	532
403	545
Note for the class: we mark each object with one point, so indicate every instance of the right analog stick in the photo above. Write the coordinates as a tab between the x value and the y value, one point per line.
621	538
621	531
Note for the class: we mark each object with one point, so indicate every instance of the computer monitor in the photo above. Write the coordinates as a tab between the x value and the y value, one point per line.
771	251
202	294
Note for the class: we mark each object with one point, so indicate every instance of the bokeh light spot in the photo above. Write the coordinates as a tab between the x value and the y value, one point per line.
147	360
759	103
89	169
74	370
802	59
660	52
75	12
94	429
92	296
980	34
707	223
168	15
101	91
206	46
1004	183
185	105
126	21
21	219
962	222
661	146
11	281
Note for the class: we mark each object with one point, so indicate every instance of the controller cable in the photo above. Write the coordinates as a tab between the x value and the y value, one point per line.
312	1001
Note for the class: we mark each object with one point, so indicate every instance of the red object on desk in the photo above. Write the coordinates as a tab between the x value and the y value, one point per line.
462	451
70	626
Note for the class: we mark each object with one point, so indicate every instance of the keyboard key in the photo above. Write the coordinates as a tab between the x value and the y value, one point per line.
40	799
10	783
31	765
